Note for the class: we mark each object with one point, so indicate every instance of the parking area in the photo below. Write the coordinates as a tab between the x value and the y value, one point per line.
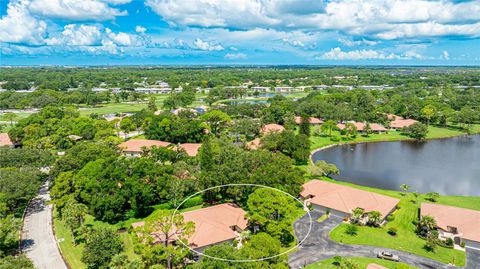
318	246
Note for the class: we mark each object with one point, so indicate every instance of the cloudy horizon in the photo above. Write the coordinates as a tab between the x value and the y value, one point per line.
243	32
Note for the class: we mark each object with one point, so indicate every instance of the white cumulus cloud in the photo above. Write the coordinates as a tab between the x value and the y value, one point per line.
339	54
140	29
205	45
77	35
75	10
19	26
235	56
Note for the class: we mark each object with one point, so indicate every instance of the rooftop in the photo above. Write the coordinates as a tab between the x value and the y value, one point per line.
312	120
272	127
213	224
346	199
191	148
5	140
136	145
466	221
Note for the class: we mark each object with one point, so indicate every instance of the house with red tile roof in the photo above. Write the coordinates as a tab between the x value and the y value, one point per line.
272	127
191	148
341	200
213	225
375	127
134	147
312	120
459	224
254	144
5	140
397	122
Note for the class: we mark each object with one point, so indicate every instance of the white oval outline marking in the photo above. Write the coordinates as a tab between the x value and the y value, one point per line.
305	208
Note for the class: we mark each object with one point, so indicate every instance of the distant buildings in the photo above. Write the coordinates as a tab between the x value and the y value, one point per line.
261	89
284	89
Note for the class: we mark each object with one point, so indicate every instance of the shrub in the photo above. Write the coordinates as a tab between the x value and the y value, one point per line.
390	218
462	244
392	231
335	138
351	229
194	201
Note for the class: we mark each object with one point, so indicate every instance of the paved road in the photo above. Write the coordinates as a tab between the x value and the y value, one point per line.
473	258
38	241
318	246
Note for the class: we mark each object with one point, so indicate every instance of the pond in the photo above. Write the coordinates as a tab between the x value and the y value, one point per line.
447	166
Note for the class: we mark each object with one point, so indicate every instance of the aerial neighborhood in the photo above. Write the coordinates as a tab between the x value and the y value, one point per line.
166	170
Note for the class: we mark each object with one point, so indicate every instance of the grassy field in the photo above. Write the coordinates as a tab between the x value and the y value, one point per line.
433	133
406	238
73	253
362	262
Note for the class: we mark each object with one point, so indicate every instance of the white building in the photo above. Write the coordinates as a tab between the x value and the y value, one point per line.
261	89
283	89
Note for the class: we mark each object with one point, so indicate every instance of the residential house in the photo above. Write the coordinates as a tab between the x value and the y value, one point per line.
457	223
361	127
134	147
341	200
312	120
397	122
191	148
261	89
213	225
272	127
283	89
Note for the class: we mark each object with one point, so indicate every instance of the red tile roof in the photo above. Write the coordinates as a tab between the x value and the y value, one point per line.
254	144
312	120
466	221
361	126
346	199
402	123
136	145
5	140
213	224
191	148
272	128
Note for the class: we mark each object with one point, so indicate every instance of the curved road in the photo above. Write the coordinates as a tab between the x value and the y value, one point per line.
318	246
38	241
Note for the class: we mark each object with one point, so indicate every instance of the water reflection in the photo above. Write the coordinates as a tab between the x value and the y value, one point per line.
448	166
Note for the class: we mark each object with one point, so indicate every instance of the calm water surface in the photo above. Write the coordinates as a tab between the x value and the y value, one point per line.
448	166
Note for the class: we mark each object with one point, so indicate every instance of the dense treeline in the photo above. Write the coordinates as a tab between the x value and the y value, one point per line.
58	78
20	180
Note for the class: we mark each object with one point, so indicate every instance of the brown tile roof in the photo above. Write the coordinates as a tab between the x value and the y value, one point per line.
402	123
312	120
346	199
213	224
191	148
272	128
5	140
136	145
361	126
466	221
375	266
393	117
254	144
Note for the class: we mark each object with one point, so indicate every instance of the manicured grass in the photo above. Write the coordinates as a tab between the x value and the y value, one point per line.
362	262
73	253
406	239
433	133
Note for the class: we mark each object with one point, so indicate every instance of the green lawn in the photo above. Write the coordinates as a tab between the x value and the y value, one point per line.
73	253
434	132
362	262
406	238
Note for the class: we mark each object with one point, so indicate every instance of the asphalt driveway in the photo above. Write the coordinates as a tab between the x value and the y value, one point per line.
38	241
318	246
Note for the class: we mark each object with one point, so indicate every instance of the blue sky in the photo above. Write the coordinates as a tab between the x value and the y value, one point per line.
184	32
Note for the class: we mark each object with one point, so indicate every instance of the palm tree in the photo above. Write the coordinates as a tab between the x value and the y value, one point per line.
357	215
329	126
426	225
374	218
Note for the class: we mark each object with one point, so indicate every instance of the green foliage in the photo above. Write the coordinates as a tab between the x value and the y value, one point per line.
194	201
216	120
322	168
351	230
9	229
175	129
304	125
25	157
392	231
417	130
102	244
12	262
287	142
432	196
274	212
